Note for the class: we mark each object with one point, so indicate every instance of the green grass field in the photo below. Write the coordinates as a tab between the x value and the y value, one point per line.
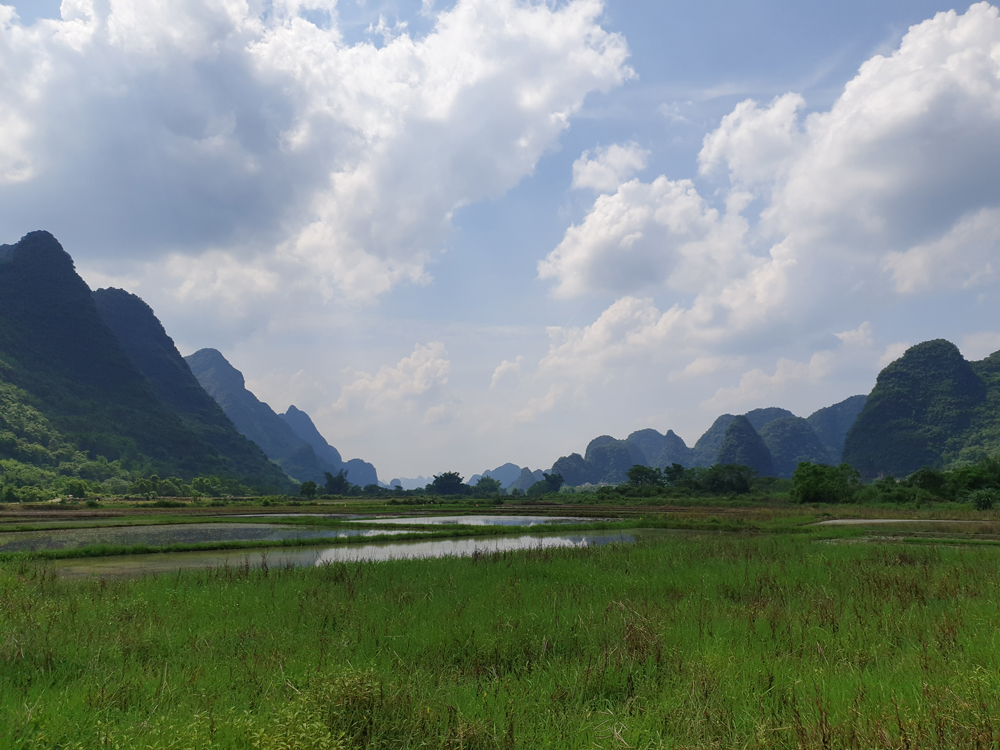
699	640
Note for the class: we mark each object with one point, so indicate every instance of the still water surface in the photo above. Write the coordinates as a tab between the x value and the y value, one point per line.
20	541
477	520
126	565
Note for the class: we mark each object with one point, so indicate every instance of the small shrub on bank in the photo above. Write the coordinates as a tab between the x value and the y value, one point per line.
982	499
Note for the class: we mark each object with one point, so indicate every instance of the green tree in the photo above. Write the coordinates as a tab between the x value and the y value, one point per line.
549	483
645	476
448	483
726	479
337	485
818	483
76	488
673	475
308	490
488	486
210	486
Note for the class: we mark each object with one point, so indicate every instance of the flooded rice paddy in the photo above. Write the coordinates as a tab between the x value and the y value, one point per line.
162	535
126	565
475	520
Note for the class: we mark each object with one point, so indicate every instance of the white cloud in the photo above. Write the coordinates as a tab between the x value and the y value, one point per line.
962	258
822	217
648	234
701	366
277	144
540	405
506	369
755	144
609	167
630	327
756	387
413	376
860	336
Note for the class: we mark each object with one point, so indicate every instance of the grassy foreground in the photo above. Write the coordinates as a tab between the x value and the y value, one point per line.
697	641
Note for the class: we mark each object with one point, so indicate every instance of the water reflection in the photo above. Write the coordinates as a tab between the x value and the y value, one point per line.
172	534
125	565
477	520
464	547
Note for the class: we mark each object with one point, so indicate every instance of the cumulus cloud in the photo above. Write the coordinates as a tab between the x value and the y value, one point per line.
661	233
757	386
860	336
962	258
608	167
755	144
506	369
629	328
701	366
413	376
892	190
275	143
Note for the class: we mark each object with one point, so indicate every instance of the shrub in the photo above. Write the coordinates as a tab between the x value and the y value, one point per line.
819	483
982	499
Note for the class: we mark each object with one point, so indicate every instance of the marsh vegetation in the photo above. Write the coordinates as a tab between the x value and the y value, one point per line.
696	640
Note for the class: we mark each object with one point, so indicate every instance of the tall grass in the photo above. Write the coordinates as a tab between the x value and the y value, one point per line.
695	641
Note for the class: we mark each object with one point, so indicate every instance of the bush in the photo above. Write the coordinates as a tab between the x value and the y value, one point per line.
982	499
819	483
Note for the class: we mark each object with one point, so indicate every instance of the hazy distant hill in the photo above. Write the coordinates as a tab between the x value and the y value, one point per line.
255	419
831	424
928	408
772	439
675	451
706	450
506	474
526	479
273	433
359	472
760	418
791	440
71	371
742	445
150	348
411	483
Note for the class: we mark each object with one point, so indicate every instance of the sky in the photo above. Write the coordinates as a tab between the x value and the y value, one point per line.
464	233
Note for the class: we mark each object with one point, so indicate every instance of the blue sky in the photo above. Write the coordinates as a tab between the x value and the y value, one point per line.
461	234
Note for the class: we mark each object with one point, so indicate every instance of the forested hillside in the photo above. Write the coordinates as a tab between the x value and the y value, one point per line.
930	407
74	403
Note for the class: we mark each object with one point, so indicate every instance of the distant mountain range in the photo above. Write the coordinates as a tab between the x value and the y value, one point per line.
771	440
510	476
92	385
